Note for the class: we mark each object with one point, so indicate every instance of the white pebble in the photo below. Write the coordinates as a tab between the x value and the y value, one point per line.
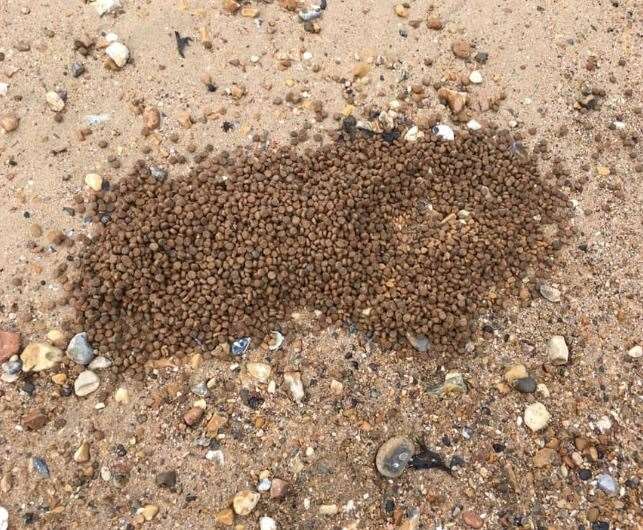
635	352
475	77
474	125
536	416
557	351
444	132
296	387
4	88
267	523
86	383
118	52
94	181
55	102
307	56
106	6
4	518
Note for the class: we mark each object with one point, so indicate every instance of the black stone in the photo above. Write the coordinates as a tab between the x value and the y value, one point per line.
498	447
526	385
584	474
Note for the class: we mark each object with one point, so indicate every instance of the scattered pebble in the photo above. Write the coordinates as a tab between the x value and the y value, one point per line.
474	125
9	345
103	7
278	489
82	454
240	346
79	349
475	77
245	501
118	52
536	416
148	512
454	383
456	100
55	102
275	341
39	465
393	456
37	357
472	519
557	351
4	518
328	509
267	523
434	23
122	396
444	132
100	363
526	385
461	49
549	293
260	371
9	122
515	372
295	385
420	342
86	383
94	181
166	479
607	483
632	353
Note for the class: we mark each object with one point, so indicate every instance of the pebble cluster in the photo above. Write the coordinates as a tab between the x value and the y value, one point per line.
407	240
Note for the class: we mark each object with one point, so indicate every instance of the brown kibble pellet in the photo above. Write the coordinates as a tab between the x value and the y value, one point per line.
395	237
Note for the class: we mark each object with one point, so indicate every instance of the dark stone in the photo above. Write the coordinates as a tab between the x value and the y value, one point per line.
481	57
498	447
600	525
166	479
526	385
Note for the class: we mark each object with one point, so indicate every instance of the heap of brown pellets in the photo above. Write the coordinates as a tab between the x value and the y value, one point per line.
397	238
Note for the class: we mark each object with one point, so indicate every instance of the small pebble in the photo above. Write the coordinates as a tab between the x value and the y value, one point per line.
4	518
635	352
244	502
526	385
82	454
393	456
557	351
94	181
55	102
549	293
607	483
79	349
295	385
40	466
475	77
37	357
536	416
472	519
267	523
86	383
118	52
259	371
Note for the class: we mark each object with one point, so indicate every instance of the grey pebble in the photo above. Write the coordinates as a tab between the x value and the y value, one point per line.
607	483
526	385
40	466
79	349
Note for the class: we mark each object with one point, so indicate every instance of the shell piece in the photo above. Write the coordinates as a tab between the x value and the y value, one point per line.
240	346
444	132
275	341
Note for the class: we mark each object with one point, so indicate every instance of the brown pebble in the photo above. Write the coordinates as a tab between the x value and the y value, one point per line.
472	519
